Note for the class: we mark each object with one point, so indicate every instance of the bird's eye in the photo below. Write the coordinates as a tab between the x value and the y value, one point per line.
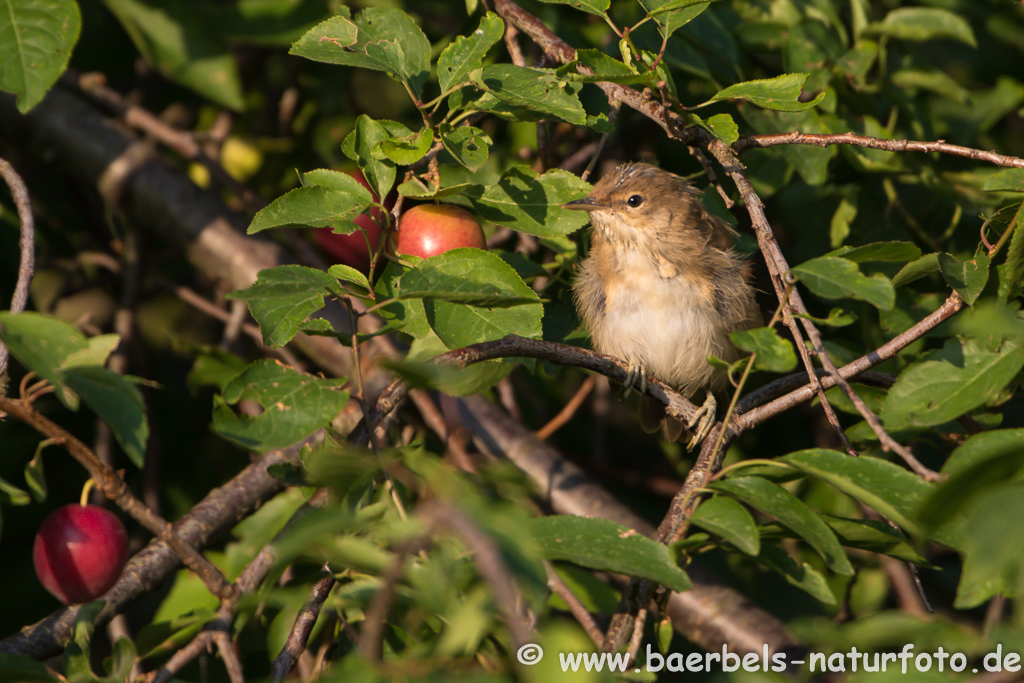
635	200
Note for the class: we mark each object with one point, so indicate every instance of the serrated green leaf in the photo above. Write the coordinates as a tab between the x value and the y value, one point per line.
118	402
924	23
407	149
777	502
915	270
604	68
950	383
41	343
837	278
385	39
781	93
359	145
316	207
598	7
466	53
294	406
468	145
467	276
730	520
416	189
803	575
606	546
774	353
525	202
472	296
407	314
967	278
284	296
1006	180
886	488
723	127
36	40
879	251
182	41
96	352
539	90
339	181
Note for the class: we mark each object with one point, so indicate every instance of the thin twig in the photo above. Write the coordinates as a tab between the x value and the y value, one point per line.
26	243
570	408
576	607
305	620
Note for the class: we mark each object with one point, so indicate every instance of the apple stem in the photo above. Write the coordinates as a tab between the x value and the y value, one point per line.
86	490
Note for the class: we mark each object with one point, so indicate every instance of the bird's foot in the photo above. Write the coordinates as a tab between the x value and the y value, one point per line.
634	374
702	421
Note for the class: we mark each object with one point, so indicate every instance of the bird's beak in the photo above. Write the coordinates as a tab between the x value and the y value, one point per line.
586	204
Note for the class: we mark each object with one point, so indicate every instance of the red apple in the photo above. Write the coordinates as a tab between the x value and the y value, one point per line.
79	552
431	229
352	249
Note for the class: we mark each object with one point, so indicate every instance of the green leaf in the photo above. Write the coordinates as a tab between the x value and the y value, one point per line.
1006	180
837	317
915	270
837	278
349	274
467	276
466	53
118	402
185	44
950	383
385	39
774	353
777	502
674	14
294	406
453	281
886	488
468	145
525	202
879	251
283	296
1011	273
359	145
983	447
604	68
993	537
22	669
781	93
598	7
802	575
723	127
96	352
603	545
316	207
839	226
35	472
539	90
36	40
924	23
730	520
407	149
419	370
12	495
41	343
874	536
967	278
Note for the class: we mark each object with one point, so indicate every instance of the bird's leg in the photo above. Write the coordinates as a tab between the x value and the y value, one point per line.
633	373
702	421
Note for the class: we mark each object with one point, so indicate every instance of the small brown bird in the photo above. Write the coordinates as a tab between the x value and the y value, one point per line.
662	288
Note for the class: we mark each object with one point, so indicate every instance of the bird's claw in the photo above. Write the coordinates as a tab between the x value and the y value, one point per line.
702	421
633	374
